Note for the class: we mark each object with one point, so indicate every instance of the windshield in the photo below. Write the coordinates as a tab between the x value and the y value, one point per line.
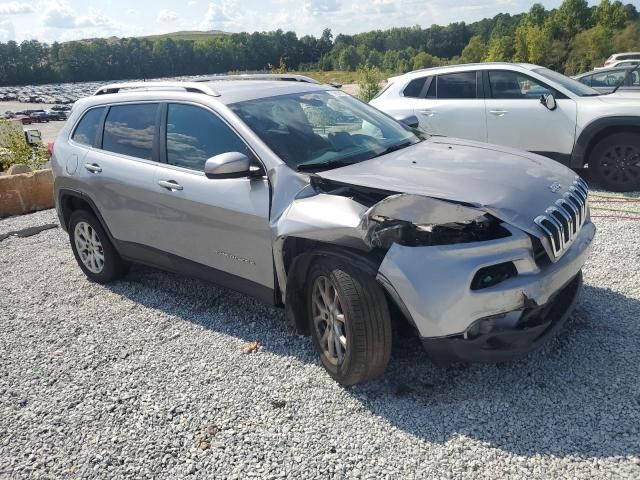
570	84
322	129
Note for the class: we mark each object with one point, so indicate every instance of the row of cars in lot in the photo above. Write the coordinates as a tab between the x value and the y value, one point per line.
61	93
30	116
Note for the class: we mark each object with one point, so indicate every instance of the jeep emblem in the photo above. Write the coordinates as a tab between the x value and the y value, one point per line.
554	187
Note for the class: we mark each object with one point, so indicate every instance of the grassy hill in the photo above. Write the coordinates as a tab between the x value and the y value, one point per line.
188	35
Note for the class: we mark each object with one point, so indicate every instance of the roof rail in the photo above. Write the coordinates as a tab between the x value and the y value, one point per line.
157	86
286	77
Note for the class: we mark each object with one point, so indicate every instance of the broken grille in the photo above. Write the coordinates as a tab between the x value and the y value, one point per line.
563	220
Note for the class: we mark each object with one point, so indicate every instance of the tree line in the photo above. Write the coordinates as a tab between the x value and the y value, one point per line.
572	38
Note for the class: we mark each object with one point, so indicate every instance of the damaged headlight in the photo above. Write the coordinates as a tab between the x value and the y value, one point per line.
387	232
413	220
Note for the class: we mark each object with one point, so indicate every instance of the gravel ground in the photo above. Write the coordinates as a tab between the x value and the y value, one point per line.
146	378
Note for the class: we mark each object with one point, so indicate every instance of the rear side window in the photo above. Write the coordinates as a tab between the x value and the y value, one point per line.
414	87
195	135
457	85
129	130
86	132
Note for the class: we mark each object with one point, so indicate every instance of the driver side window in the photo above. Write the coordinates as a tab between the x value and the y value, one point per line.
513	85
194	135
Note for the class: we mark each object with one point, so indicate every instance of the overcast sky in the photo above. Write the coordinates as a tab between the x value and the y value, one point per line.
62	20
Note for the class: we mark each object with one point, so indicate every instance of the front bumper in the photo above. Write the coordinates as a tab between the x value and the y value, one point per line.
536	326
431	285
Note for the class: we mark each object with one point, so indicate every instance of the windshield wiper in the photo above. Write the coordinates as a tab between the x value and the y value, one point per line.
394	148
305	167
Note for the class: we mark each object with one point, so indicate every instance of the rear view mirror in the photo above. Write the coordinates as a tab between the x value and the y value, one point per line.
549	101
228	165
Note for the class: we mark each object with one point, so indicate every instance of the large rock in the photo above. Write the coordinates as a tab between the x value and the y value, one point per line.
26	192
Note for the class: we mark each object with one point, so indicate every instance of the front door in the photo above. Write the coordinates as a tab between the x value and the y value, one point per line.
219	223
516	118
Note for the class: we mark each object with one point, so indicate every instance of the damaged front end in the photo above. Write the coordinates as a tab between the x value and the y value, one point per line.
455	270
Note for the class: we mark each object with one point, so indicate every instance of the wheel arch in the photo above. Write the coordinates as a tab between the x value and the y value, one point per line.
70	200
298	255
596	131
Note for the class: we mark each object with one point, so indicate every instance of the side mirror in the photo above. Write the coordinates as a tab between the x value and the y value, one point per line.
549	101
410	121
228	165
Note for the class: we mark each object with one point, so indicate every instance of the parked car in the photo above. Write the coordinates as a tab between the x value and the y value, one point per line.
57	114
616	59
22	118
526	107
61	108
262	187
620	79
39	116
625	63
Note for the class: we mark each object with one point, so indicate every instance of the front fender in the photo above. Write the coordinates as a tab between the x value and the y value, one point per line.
591	133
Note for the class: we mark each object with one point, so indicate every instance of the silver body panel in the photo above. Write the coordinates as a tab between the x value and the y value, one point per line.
240	226
433	281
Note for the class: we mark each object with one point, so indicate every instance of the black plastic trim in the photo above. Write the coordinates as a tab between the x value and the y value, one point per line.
581	150
153	257
563	158
541	324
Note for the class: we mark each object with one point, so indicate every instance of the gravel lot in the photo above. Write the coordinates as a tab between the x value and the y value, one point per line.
146	378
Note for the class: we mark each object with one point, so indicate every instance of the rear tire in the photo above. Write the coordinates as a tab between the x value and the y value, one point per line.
615	162
350	322
92	248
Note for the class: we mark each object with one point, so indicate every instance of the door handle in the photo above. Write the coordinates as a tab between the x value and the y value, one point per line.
93	167
170	185
428	113
498	113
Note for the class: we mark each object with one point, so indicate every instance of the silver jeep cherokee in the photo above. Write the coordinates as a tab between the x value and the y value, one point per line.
309	199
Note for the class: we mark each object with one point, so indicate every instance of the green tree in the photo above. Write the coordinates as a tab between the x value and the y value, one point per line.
424	60
572	17
475	50
349	59
611	15
369	79
500	49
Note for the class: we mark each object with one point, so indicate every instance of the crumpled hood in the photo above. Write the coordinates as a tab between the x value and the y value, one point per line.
512	185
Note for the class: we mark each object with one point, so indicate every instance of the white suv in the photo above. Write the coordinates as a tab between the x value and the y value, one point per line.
526	107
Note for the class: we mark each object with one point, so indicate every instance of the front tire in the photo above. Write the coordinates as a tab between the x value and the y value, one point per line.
615	162
92	248
349	321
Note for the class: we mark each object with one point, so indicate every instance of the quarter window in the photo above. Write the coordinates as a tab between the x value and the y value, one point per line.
414	88
86	132
195	135
129	130
457	85
514	85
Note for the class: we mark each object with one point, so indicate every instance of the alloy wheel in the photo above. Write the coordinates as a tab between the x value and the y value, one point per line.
89	247
329	320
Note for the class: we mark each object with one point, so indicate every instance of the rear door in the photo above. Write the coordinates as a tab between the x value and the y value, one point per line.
219	223
452	104
516	118
119	170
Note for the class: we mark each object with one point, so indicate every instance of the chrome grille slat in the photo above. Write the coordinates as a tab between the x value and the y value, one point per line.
562	221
